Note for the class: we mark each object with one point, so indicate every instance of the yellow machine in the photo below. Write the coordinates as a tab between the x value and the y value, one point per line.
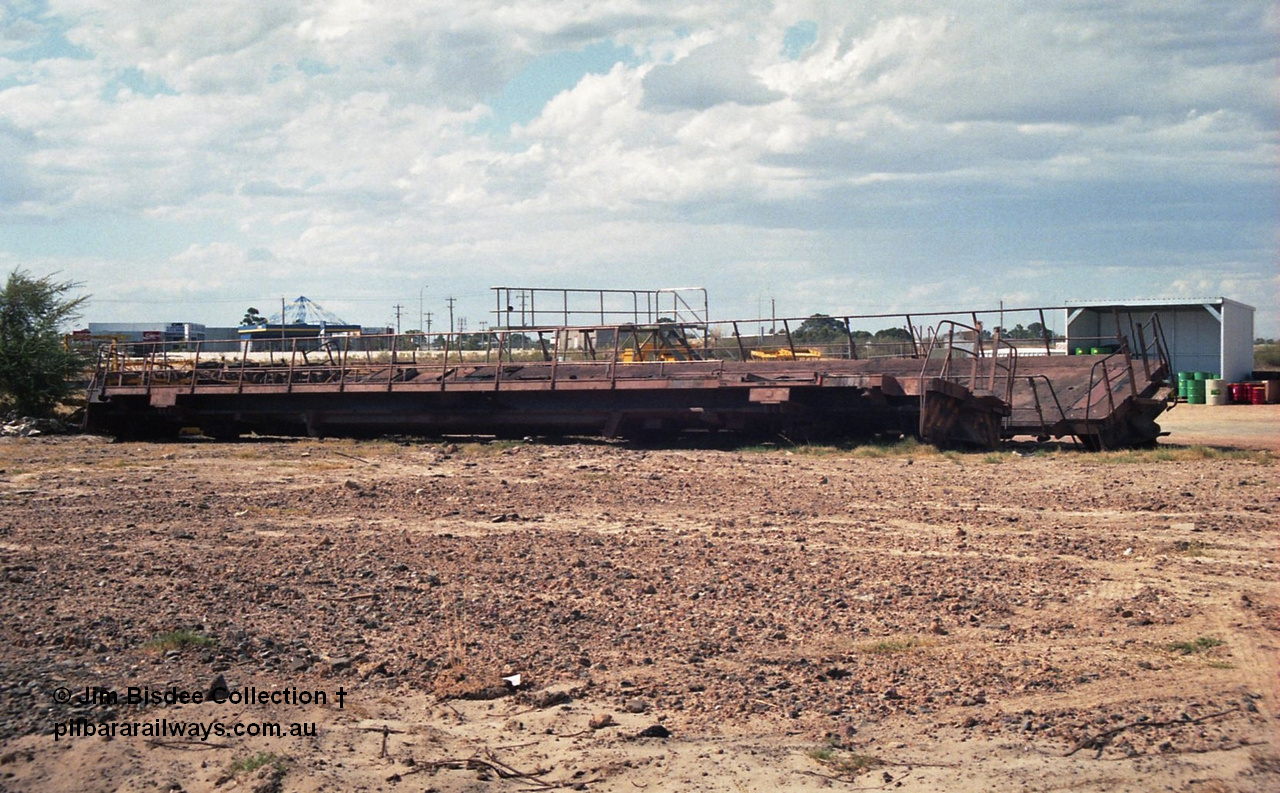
785	355
661	342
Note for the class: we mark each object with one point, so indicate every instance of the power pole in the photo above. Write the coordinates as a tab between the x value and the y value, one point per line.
451	301
398	307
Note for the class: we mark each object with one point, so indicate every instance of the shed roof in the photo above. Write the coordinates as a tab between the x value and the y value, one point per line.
1153	302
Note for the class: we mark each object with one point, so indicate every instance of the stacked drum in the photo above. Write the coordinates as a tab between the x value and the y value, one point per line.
1206	388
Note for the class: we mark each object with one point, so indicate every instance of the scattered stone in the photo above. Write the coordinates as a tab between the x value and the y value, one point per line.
601	720
656	731
547	698
218	689
26	427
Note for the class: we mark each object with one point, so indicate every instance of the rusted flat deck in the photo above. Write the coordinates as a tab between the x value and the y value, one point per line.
944	394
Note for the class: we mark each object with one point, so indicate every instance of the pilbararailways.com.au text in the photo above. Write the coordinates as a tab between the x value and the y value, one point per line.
194	730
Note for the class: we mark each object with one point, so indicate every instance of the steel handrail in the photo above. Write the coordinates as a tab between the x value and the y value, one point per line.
1106	380
1009	369
1053	392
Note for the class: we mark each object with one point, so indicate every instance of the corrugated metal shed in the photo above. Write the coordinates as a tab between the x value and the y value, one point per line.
1209	334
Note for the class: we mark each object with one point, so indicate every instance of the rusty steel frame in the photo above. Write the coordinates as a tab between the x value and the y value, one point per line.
711	386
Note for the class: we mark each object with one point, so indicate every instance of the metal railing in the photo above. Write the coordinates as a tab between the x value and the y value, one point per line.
391	360
1003	358
1117	368
1045	430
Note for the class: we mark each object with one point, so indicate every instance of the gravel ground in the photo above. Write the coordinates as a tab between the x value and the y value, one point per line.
792	618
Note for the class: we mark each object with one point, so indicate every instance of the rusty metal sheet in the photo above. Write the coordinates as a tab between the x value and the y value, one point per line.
769	396
163	397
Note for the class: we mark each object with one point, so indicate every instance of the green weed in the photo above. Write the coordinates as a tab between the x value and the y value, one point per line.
1191	548
254	762
1200	645
891	646
844	763
1176	454
177	640
248	765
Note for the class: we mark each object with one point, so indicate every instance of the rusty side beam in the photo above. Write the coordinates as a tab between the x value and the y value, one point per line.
930	392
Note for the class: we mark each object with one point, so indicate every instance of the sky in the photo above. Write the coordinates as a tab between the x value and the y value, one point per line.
184	161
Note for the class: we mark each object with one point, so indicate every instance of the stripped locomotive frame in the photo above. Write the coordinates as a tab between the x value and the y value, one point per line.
666	371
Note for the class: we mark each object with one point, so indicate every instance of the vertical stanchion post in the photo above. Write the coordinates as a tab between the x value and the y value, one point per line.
555	357
497	372
391	364
195	367
342	364
244	358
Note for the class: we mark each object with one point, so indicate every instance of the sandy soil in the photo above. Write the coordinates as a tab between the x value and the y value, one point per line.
799	620
1226	426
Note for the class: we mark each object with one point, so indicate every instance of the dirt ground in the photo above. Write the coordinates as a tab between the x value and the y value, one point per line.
681	619
1226	426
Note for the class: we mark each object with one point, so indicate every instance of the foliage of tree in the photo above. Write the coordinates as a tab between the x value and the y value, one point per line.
36	368
1266	356
820	328
252	317
893	334
1033	331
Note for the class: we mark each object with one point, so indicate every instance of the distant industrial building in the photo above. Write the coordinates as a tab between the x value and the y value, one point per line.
303	319
211	339
150	331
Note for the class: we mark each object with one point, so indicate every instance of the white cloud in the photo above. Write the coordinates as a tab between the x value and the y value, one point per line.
910	150
713	74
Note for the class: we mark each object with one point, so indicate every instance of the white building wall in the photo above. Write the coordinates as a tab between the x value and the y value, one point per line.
1194	337
1237	341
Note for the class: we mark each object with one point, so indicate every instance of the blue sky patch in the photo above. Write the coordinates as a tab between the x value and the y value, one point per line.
139	82
314	68
522	99
53	43
799	38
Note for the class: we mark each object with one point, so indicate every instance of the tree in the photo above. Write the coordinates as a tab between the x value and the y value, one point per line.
252	317
35	366
820	328
893	334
